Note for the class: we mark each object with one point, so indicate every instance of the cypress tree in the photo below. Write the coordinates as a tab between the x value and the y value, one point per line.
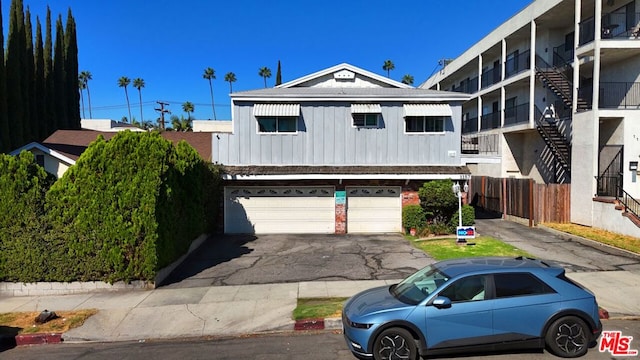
59	77
279	75
71	70
28	88
5	133
48	76
40	95
15	69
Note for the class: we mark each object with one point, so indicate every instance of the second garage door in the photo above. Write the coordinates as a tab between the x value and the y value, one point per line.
374	209
274	210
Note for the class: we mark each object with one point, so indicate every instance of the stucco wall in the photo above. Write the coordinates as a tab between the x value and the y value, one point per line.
583	183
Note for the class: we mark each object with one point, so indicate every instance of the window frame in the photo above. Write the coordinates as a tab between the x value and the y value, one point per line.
365	125
277	124
425	118
547	289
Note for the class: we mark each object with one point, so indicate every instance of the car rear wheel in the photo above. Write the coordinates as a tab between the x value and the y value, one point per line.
395	344
568	337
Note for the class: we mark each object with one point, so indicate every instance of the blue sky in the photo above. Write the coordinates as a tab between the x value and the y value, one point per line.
170	43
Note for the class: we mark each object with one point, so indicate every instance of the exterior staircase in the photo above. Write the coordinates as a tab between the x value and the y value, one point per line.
559	145
557	82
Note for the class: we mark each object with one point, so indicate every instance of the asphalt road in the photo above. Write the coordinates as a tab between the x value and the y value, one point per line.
284	258
301	345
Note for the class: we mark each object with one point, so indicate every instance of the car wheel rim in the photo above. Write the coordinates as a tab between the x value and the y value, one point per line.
571	338
394	347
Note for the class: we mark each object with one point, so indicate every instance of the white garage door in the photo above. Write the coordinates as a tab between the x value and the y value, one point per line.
374	209
279	210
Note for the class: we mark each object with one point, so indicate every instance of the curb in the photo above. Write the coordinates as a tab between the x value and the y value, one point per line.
38	339
318	324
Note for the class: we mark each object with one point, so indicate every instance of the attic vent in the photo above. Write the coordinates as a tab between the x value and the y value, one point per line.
344	75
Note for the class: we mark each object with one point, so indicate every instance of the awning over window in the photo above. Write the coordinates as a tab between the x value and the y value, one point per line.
427	110
366	109
276	110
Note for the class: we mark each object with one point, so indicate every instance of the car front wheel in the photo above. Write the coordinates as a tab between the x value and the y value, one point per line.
568	337
395	344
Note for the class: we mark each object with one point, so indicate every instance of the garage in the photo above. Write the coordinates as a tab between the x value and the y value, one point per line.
279	209
374	209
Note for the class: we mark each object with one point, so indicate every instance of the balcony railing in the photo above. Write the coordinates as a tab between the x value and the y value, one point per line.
517	64
469	86
470	125
562	56
516	115
490	121
614	26
613	95
490	77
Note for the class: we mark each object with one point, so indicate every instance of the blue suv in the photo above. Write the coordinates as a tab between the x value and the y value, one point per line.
473	304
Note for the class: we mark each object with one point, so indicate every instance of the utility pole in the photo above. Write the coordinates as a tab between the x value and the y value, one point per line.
162	111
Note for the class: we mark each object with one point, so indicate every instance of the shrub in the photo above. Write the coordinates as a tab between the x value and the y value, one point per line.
468	217
438	201
413	217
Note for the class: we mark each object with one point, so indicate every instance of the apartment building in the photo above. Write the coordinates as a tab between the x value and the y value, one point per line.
555	96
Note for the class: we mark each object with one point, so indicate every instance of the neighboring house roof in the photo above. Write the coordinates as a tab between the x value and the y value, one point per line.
343	68
72	143
344	172
56	154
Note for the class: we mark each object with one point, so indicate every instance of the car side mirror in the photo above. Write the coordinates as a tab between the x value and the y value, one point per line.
442	302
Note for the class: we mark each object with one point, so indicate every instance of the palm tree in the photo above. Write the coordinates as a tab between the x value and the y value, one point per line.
388	66
82	85
265	73
209	74
407	79
180	123
230	78
124	82
85	76
188	107
138	83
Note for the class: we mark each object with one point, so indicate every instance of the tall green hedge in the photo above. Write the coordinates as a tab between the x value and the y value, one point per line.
128	207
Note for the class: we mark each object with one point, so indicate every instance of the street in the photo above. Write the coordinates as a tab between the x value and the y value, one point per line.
323	345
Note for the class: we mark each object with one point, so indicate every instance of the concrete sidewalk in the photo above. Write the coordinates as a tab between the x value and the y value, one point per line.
234	310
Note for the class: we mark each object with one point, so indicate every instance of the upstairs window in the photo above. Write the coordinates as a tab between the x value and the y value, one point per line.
366	115
424	124
365	120
277	124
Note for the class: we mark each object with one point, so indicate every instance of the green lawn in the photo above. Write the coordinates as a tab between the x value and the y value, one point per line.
442	249
318	308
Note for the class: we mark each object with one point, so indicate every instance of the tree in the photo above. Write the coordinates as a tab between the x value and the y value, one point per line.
278	75
180	123
407	79
82	85
85	76
438	200
188	107
230	78
210	74
5	137
124	82
265	73
388	66
71	71
138	83
60	79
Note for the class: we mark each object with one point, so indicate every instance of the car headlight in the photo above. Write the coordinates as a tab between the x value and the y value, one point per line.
359	325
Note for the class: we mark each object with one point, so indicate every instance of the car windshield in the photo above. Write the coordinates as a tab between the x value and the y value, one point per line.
418	286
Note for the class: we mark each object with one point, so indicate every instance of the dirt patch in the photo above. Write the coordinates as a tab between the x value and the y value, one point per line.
25	321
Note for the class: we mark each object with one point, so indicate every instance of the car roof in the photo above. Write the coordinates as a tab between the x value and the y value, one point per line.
455	267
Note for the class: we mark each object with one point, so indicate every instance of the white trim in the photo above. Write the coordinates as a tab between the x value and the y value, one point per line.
349	177
360	108
380	98
427	110
278	110
45	150
344	66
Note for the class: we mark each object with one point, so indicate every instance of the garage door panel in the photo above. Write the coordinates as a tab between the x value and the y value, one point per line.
374	209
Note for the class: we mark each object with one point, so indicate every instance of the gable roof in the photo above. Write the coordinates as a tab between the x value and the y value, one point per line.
51	152
343	67
72	143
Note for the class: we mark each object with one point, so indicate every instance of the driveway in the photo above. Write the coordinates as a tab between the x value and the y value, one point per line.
283	258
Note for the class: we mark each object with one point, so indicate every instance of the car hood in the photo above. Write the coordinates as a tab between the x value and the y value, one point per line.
372	302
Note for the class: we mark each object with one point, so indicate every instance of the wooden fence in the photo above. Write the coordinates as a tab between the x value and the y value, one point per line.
523	198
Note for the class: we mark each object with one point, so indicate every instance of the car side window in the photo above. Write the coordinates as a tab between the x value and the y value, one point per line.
519	284
471	288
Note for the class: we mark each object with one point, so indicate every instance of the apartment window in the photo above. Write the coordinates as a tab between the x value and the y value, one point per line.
424	124
512	62
277	124
365	120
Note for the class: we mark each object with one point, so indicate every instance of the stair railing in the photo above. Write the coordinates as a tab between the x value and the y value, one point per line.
542	66
609	182
539	122
630	204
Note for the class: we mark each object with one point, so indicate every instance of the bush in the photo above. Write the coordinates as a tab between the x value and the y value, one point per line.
413	217
468	217
438	201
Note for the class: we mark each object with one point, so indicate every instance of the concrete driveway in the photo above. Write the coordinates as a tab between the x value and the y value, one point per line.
285	258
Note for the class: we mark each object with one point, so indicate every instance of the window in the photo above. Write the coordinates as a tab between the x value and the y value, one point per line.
424	124
365	120
277	124
467	289
519	284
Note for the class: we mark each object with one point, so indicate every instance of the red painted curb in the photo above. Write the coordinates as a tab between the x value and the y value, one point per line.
38	339
309	324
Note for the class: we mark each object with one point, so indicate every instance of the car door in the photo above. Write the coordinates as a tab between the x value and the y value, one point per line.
467	321
522	305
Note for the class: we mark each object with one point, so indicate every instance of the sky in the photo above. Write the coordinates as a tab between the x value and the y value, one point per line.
170	43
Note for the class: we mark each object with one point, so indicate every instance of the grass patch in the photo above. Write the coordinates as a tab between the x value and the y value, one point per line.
25	321
442	249
314	308
606	237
